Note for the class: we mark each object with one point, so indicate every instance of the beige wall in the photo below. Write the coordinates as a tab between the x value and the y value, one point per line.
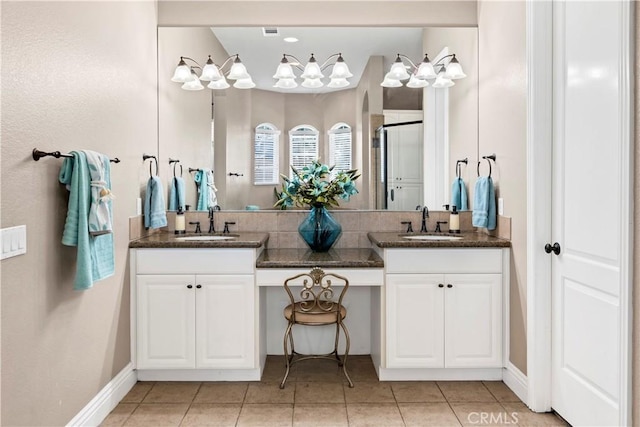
457	13
76	75
502	130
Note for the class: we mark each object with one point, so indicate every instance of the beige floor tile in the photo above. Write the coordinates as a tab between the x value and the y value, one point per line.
221	392
369	392
172	392
483	413
270	393
368	414
361	368
310	392
266	415
501	392
274	369
526	417
320	415
428	414
319	370
157	414
119	415
465	391
417	391
211	414
138	392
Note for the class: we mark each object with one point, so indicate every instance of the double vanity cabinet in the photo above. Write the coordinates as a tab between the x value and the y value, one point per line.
424	310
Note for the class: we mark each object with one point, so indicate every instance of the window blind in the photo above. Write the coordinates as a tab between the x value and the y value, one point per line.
266	155
340	148
303	146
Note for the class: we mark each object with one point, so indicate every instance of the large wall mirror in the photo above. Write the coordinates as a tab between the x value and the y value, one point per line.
218	129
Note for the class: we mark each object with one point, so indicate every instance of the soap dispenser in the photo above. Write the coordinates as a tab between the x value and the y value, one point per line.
180	221
454	220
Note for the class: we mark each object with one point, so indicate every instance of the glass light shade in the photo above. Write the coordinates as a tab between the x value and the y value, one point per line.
194	84
286	84
210	72
284	71
218	84
390	81
312	83
442	81
340	70
425	70
182	73
244	83
238	70
454	69
312	70
398	70
338	83
416	83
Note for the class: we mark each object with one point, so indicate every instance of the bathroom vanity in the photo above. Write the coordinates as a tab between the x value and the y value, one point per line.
423	309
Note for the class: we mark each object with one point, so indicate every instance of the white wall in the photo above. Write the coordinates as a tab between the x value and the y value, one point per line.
75	75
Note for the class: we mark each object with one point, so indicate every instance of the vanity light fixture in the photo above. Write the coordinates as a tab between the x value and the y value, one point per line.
215	75
419	74
312	72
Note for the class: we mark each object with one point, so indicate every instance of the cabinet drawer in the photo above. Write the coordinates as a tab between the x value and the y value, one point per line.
195	261
443	260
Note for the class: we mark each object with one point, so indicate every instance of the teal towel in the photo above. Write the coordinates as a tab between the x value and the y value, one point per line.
95	255
176	195
203	190
459	194
155	215
484	204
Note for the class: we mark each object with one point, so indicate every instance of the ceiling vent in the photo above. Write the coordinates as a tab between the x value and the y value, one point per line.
270	31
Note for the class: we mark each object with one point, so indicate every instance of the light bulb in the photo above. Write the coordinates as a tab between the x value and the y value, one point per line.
454	69
210	72
194	83
398	71
218	84
340	69
312	70
390	81
425	70
312	83
338	83
286	84
416	83
244	83
442	81
238	70
182	72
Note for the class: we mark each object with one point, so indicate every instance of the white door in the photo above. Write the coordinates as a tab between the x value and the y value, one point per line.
415	328
473	320
590	195
165	321
225	309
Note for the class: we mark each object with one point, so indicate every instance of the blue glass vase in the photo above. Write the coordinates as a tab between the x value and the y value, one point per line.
319	230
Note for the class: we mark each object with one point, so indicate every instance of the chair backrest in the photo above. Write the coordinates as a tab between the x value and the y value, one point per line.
317	293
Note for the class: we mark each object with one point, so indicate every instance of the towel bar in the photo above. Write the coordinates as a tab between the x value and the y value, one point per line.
37	155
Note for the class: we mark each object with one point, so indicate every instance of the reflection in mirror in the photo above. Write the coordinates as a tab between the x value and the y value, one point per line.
231	131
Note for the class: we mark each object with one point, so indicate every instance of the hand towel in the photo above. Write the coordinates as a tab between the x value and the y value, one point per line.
176	195
459	194
155	215
206	190
100	210
484	204
95	254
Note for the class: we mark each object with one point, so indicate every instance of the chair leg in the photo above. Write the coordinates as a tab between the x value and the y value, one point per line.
287	337
346	354
335	346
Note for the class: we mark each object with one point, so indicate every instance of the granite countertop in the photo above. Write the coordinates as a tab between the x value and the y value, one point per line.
170	240
305	258
469	240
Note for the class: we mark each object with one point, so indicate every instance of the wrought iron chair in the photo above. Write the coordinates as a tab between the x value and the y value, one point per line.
316	307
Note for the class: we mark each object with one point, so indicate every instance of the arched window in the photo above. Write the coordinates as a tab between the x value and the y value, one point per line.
340	147
265	155
303	146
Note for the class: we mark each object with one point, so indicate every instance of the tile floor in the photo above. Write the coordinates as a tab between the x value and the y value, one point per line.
316	394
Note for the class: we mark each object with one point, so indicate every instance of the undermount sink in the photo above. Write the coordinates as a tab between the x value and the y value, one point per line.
204	238
432	237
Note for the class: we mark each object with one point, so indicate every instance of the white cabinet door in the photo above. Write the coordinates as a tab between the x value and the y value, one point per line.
473	320
165	321
225	321
415	320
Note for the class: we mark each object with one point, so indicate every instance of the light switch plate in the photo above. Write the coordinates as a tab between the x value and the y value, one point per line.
500	206
14	241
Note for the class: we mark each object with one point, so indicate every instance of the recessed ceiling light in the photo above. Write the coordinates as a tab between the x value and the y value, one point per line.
290	39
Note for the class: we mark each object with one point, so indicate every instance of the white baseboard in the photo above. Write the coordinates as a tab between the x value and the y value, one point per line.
108	398
516	381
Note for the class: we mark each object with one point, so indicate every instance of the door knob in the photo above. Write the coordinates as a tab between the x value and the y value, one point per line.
440	285
449	285
198	286
555	248
189	286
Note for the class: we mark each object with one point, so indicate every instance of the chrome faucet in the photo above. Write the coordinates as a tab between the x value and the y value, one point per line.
425	215
212	209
